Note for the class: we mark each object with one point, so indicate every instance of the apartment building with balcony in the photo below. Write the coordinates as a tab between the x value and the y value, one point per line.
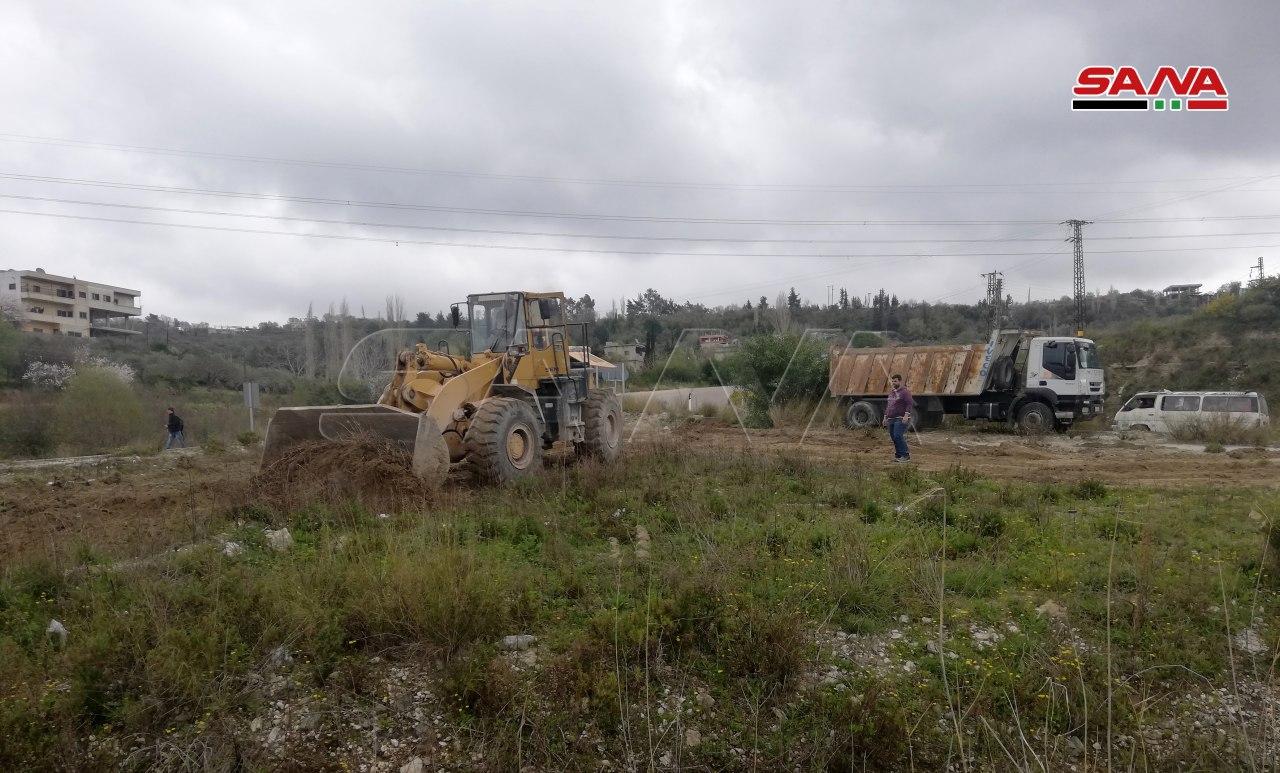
61	305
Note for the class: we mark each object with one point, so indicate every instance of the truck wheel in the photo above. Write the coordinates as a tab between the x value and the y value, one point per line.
862	414
602	415
1061	427
503	443
928	420
1003	373
1035	418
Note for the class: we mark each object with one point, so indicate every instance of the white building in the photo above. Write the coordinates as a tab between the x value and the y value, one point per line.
61	305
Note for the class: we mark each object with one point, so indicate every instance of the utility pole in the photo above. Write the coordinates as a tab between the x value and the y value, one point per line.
1257	268
1077	239
995	299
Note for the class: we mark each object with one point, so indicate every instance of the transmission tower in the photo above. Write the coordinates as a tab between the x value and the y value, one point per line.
1077	239
1257	268
995	299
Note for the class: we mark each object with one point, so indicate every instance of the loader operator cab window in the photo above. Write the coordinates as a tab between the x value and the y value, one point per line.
543	313
497	322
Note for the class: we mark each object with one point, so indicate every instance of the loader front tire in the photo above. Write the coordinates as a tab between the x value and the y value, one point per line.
602	415
503	443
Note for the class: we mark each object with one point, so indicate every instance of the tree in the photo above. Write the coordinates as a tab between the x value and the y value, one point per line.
764	303
844	298
747	305
793	300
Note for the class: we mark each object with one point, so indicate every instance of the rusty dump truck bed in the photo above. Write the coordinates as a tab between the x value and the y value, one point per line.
928	370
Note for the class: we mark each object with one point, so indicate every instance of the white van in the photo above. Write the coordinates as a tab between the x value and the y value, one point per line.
1158	411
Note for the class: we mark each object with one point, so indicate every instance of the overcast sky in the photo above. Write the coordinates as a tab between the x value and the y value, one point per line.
669	119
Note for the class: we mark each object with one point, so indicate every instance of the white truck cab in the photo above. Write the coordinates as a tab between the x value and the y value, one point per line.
1069	371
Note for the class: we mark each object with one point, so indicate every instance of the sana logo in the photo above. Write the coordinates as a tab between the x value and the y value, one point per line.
1102	87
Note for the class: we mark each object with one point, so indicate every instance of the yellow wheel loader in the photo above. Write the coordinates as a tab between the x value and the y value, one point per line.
520	389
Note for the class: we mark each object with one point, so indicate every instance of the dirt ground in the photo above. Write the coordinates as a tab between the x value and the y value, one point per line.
1144	461
116	507
125	507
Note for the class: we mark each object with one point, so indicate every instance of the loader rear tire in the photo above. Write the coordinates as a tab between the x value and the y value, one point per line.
503	443
430	454
602	415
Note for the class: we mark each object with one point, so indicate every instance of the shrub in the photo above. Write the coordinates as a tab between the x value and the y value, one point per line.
97	410
1091	488
1220	430
248	438
26	428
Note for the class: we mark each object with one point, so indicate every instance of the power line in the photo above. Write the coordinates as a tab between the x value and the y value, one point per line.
641	183
621	237
584	216
606	251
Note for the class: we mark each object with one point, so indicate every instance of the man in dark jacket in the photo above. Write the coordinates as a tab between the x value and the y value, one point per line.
175	431
897	417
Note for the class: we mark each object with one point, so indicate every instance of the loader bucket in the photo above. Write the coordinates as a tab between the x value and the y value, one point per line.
291	426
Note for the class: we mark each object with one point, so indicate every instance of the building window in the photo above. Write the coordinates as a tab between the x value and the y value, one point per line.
12	286
82	293
35	288
62	313
75	335
95	297
84	315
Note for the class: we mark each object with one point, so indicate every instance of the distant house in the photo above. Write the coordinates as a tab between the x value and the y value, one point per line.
1183	291
629	354
713	342
66	305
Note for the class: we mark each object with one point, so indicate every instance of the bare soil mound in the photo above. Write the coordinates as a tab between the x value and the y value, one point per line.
371	471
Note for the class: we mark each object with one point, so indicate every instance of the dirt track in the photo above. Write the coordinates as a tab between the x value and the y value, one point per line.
116	507
124	508
1054	458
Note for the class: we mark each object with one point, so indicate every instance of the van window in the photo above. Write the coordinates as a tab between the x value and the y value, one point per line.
1180	403
1230	404
1139	402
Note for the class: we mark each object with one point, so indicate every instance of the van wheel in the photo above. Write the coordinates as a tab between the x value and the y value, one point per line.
862	414
1035	418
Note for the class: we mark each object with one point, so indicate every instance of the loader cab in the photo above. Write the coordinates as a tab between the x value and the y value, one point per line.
497	321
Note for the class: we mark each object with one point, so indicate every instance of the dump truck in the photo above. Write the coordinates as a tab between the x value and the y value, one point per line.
1032	381
520	388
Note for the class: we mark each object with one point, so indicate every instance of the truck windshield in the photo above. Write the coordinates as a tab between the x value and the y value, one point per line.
496	322
1088	355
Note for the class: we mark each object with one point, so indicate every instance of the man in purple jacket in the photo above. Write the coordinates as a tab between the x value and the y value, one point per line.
897	417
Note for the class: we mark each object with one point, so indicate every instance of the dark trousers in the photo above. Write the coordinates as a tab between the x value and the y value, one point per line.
898	433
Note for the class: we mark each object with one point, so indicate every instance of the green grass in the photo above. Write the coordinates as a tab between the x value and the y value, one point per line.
749	557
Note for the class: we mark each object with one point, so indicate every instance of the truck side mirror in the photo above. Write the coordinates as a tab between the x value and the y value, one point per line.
455	316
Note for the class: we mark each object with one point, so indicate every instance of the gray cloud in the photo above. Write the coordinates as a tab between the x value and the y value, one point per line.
828	94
